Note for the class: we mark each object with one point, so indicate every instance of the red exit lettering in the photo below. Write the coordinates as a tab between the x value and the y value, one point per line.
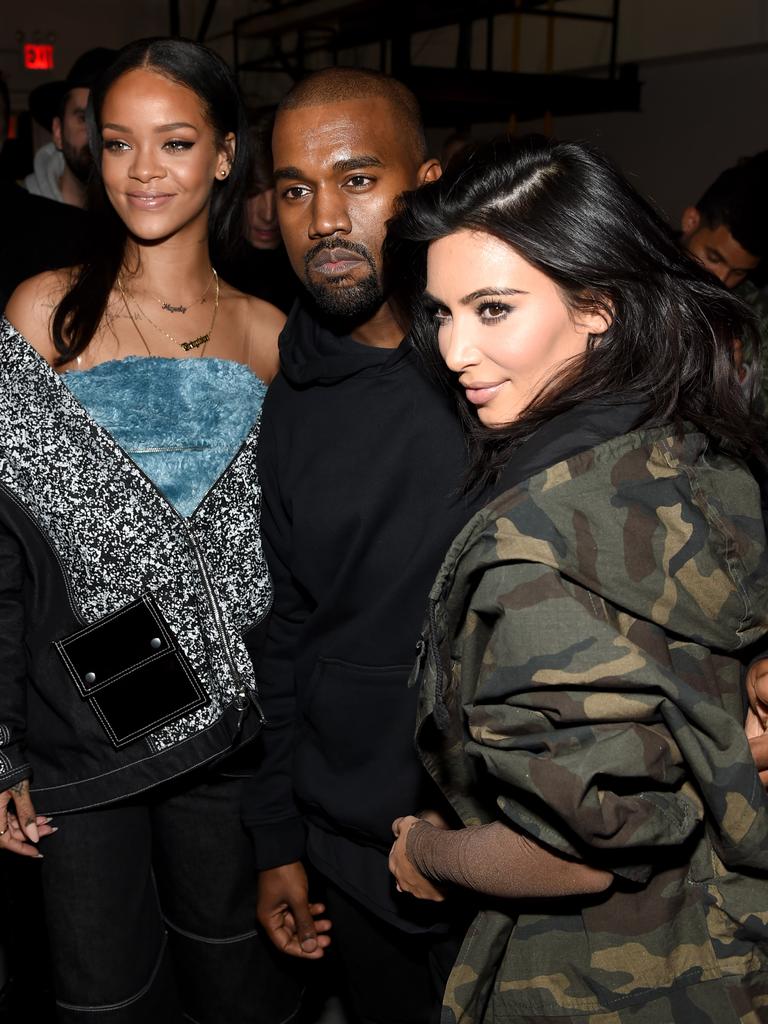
38	57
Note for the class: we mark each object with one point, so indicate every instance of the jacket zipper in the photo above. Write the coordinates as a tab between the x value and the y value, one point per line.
167	448
244	694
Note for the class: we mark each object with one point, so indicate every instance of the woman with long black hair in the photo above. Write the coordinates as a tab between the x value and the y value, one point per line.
133	583
581	693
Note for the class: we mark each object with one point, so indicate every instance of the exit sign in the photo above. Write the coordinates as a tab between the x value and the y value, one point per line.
38	57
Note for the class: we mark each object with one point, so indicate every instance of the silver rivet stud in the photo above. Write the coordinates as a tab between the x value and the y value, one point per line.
90	677
155	643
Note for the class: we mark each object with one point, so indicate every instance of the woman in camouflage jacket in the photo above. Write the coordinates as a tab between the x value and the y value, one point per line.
581	668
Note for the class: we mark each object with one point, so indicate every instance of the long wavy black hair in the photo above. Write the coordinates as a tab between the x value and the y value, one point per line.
565	209
82	308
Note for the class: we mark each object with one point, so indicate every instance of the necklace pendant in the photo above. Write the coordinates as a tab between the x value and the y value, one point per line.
175	309
195	342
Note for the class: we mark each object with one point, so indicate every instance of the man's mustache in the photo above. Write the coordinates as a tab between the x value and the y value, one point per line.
336	244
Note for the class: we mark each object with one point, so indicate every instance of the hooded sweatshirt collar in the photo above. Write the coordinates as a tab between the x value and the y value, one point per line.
314	353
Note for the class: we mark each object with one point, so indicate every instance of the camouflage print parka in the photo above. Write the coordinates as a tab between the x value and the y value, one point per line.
580	682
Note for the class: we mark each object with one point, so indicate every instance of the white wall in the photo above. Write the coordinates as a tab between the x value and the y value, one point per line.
698	117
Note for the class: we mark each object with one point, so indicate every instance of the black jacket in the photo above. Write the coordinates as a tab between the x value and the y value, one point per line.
124	627
38	234
361	462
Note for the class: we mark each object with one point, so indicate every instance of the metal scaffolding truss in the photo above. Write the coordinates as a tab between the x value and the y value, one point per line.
285	34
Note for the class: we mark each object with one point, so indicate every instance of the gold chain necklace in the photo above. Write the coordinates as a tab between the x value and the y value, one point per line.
183	309
201	340
131	316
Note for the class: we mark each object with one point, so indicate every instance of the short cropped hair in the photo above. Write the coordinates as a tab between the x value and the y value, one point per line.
738	200
340	84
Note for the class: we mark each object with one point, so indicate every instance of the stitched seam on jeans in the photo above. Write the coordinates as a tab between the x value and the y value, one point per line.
212	942
107	1007
298	1009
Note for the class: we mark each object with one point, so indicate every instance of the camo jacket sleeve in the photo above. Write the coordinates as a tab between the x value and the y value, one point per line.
597	733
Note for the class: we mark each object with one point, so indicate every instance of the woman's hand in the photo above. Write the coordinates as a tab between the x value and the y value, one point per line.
757	716
407	877
20	827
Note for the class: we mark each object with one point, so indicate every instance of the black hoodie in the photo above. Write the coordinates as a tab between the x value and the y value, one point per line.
361	462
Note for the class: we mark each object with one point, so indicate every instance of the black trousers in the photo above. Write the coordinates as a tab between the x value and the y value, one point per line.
388	976
150	907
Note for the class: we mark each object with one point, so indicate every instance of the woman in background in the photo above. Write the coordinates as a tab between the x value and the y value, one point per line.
133	583
258	265
581	695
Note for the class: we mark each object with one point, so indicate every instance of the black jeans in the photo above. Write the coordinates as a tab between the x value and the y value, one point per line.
150	907
388	976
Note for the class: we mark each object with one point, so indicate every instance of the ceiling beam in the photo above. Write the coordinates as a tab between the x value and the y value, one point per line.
350	15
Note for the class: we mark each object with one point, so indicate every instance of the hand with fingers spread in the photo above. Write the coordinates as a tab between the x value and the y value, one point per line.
20	826
757	715
292	923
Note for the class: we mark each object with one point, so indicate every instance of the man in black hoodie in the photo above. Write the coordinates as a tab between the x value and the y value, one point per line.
361	463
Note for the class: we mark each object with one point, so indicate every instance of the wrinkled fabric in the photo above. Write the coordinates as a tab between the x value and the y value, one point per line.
497	861
48	167
582	655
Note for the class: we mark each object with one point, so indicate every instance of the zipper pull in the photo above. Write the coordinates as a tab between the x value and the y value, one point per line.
243	701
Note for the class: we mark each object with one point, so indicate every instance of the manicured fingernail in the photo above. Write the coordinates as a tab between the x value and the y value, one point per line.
39	856
32	832
48	821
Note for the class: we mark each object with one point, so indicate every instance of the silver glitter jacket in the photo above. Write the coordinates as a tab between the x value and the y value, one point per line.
83	534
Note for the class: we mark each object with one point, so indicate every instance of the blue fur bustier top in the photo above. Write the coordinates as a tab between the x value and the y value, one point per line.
181	420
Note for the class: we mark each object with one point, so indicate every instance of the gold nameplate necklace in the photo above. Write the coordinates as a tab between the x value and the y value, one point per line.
199	342
183	309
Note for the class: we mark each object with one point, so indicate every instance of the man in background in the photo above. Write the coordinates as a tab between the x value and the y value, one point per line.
38	233
727	232
62	167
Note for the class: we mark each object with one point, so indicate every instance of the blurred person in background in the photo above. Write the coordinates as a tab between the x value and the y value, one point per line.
38	234
726	230
259	265
62	167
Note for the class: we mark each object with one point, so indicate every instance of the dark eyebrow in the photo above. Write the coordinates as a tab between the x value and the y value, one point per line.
160	128
481	292
355	163
715	256
429	297
287	172
174	125
352	163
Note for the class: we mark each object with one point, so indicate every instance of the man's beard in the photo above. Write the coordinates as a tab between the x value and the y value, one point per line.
79	161
356	301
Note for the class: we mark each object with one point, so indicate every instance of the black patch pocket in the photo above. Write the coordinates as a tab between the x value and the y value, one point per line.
129	669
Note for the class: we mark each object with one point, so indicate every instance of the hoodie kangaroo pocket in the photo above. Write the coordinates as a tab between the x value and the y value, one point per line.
357	761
